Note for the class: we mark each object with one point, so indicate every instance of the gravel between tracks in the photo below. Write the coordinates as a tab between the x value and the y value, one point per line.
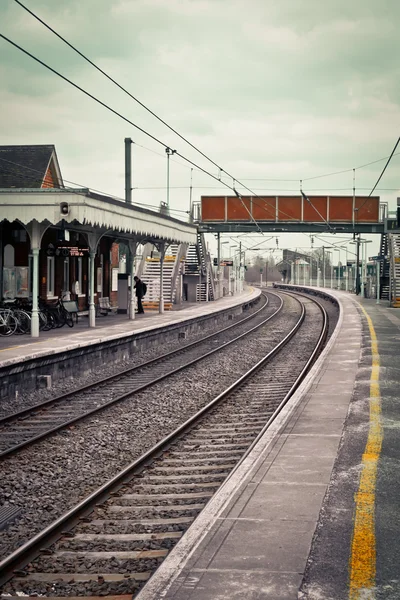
10	405
52	476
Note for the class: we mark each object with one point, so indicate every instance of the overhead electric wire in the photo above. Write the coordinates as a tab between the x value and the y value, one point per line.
305	197
40	180
373	162
139	102
384	168
166	146
122	88
149	110
117	84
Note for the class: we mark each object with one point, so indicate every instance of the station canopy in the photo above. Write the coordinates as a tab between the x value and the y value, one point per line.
92	211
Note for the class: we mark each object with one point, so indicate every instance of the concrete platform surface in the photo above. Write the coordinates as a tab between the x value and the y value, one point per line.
311	512
17	348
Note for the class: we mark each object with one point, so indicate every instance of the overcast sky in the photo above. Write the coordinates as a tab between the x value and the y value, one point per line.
269	90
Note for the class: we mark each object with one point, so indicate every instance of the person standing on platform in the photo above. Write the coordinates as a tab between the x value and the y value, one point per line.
139	293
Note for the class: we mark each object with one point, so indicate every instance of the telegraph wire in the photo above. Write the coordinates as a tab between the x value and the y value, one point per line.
384	168
220	170
79	192
117	84
166	146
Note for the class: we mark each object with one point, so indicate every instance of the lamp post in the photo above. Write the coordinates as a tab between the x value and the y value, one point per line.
361	287
338	267
234	269
223	268
169	152
364	277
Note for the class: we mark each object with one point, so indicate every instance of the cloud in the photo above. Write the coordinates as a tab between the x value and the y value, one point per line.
266	89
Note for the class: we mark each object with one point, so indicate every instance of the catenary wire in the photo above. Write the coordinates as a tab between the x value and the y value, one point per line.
166	146
117	84
32	178
159	118
157	140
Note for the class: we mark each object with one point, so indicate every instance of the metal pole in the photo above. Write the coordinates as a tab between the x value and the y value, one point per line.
168	152
219	262
331	270
240	267
357	266
167	179
347	274
338	272
190	201
317	271
161	303
132	301
364	269
323	266
92	308
378	282
128	171
35	294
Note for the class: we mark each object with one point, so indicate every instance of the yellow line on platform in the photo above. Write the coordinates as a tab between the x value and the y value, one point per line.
363	547
10	348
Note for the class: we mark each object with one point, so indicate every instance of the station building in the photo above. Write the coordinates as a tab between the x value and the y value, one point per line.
57	241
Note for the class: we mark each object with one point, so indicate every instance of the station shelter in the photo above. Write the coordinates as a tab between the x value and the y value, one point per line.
62	242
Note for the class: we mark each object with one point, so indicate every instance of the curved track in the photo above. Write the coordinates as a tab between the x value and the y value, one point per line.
126	528
37	422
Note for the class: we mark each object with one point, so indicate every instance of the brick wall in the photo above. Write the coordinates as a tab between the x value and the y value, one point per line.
48	181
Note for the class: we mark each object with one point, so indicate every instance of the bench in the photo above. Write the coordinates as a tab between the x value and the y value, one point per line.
104	307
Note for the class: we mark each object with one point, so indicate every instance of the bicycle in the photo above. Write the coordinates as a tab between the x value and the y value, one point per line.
59	314
8	323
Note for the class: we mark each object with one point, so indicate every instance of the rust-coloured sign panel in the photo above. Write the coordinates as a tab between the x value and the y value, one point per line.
316	210
264	208
310	209
237	209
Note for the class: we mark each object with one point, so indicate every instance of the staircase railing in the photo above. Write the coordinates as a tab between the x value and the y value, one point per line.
181	254
394	241
147	248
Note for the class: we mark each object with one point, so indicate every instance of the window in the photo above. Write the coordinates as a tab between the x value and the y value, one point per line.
50	275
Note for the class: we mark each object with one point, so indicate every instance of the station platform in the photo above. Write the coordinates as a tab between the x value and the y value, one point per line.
21	348
312	511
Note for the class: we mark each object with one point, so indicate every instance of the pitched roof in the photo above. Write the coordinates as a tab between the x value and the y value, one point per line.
26	166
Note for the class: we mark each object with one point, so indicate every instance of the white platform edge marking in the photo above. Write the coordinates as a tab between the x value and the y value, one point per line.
171	568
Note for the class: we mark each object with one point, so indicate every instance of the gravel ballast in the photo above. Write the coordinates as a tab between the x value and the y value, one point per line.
52	476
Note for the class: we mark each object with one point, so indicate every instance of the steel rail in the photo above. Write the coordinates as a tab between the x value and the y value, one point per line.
318	348
32	549
40	436
21	413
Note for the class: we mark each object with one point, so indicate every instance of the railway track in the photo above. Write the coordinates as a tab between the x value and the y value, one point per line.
112	542
37	422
